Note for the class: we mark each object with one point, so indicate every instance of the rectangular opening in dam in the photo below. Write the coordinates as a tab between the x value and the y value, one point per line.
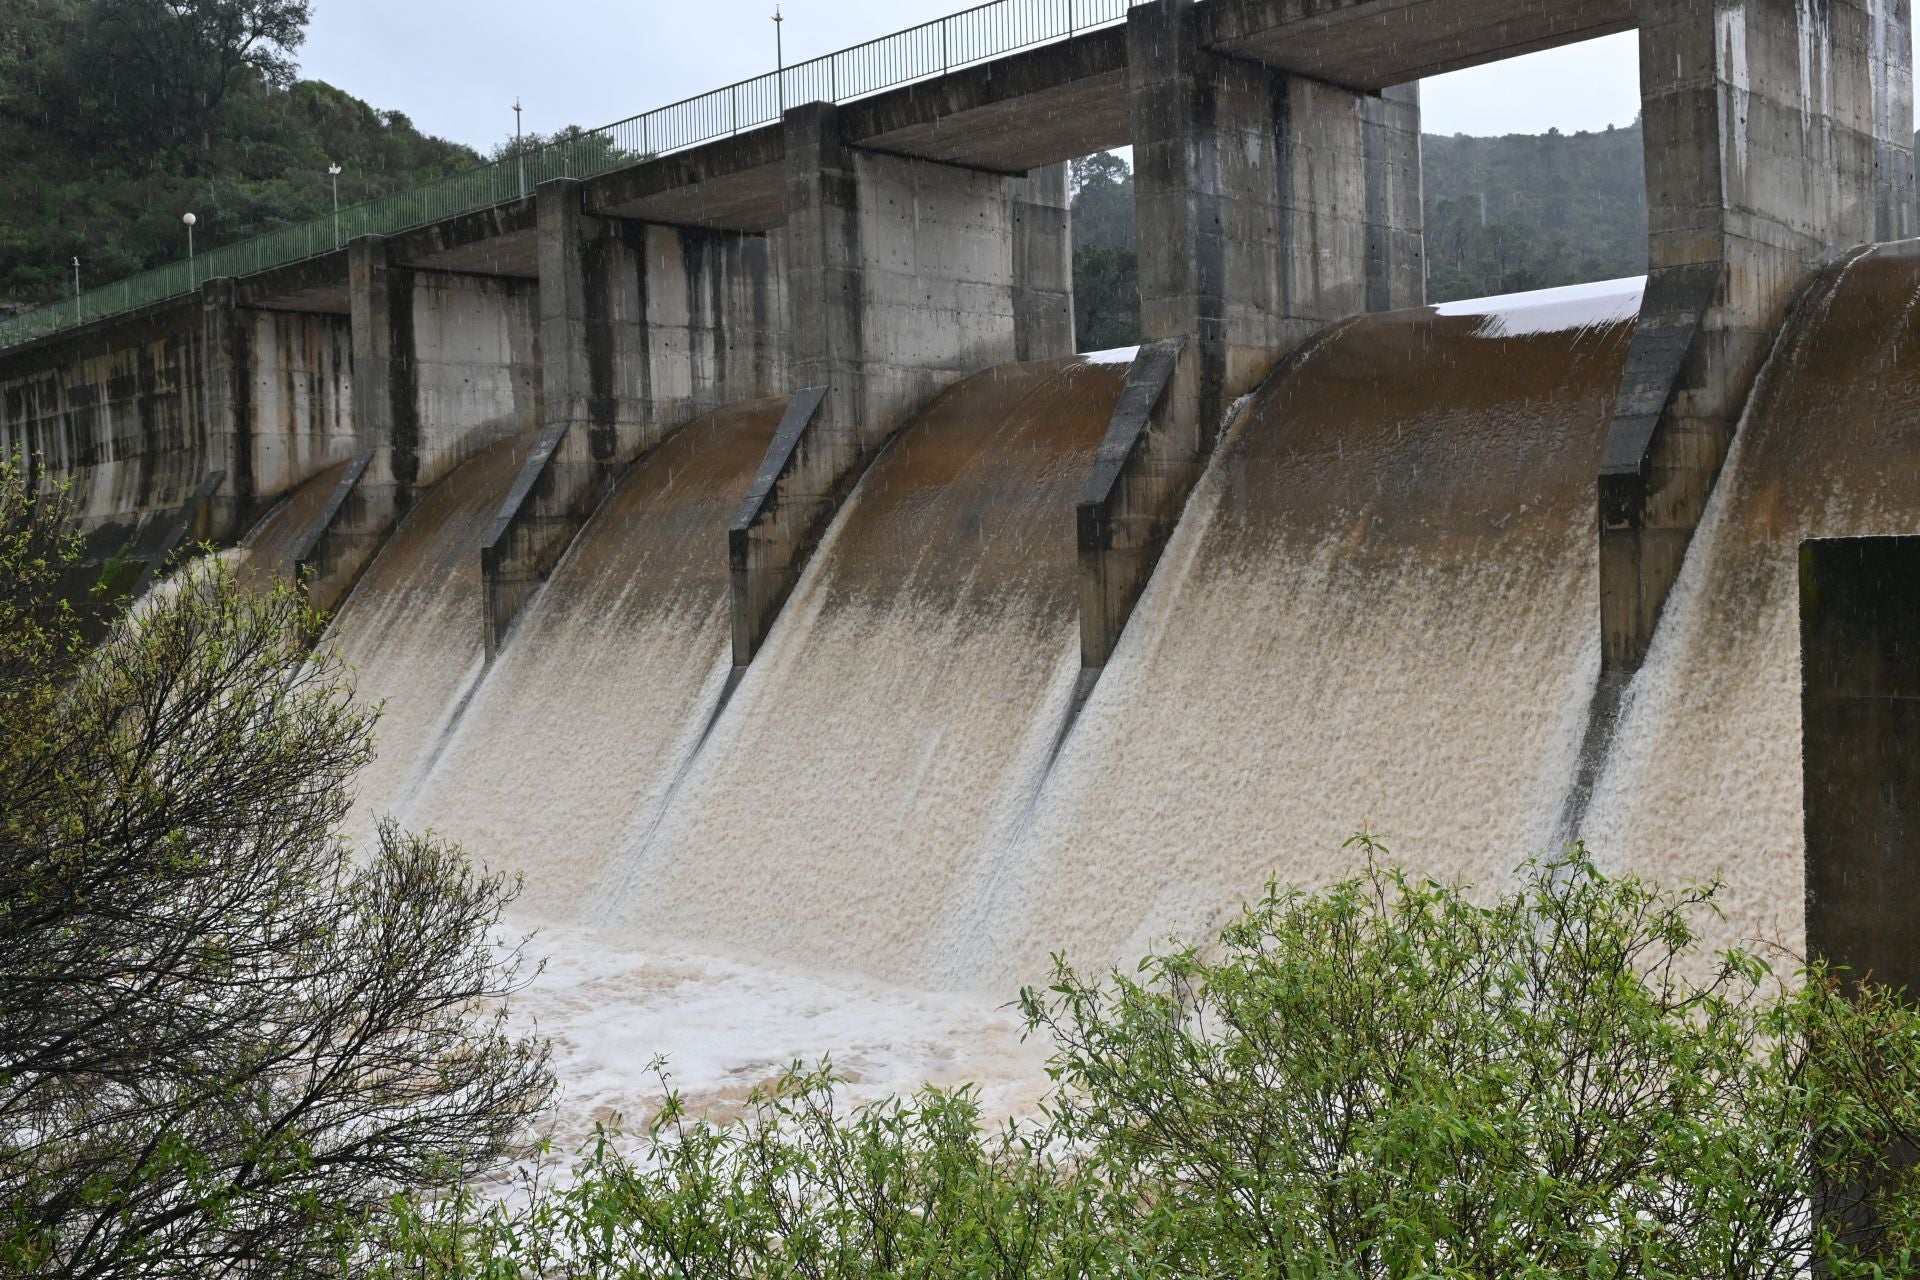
1106	251
1562	204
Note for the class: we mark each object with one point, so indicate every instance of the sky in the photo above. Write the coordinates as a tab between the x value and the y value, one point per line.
591	62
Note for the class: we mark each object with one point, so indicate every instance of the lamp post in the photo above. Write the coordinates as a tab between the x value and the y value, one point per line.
780	56
76	290
519	151
189	219
333	171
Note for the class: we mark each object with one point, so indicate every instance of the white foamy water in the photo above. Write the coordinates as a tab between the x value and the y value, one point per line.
726	1027
1599	305
603	690
888	737
1704	778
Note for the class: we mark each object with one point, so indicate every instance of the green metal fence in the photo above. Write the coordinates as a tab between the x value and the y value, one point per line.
919	53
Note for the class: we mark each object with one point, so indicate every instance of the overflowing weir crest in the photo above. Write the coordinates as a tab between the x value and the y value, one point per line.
745	557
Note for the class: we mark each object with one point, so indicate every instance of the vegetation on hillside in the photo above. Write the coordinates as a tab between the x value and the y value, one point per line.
1503	215
1531	211
119	116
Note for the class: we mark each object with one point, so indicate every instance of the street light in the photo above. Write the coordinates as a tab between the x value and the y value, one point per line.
780	55
76	290
519	154
189	219
333	171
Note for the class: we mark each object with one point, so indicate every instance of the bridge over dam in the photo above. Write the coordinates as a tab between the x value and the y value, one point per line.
731	526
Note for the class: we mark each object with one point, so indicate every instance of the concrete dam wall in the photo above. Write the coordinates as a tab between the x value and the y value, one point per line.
743	555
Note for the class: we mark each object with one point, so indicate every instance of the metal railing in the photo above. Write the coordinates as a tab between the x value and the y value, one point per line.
919	53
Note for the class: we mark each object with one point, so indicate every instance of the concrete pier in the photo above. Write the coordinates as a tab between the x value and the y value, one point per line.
1860	753
902	279
1778	134
643	328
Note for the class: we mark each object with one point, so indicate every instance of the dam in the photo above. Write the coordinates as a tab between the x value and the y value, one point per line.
747	558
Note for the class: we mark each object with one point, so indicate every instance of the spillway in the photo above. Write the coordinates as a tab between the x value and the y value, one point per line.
890	735
605	687
411	628
1378	609
267	553
1704	778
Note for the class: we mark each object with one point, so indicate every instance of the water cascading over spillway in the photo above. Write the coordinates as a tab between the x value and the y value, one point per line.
266	557
411	628
605	687
1379	608
1703	781
890	734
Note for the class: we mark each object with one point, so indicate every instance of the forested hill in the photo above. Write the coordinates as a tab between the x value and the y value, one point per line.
1526	211
119	116
1530	211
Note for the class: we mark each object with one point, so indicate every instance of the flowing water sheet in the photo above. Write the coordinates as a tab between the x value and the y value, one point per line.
1704	781
1378	609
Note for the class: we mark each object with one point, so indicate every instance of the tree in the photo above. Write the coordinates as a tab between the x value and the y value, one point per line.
178	60
1106	263
225	1041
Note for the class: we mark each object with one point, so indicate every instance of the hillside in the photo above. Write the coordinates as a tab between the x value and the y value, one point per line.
118	116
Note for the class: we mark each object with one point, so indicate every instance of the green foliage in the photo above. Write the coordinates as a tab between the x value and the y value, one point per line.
1533	211
1106	259
225	1040
799	1187
118	116
1387	1079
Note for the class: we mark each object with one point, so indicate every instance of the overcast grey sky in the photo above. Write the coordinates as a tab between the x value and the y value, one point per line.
456	69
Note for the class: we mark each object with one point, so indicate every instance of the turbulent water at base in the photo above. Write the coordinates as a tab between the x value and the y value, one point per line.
411	628
573	741
1704	778
1378	609
887	739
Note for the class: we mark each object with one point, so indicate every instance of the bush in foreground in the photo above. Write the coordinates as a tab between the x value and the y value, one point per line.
224	1043
1381	1080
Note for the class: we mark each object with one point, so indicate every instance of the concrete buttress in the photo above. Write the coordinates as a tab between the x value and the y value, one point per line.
1778	134
1269	206
902	279
386	423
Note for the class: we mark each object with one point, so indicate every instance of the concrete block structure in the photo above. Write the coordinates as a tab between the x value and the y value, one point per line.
1778	134
1860	752
643	328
